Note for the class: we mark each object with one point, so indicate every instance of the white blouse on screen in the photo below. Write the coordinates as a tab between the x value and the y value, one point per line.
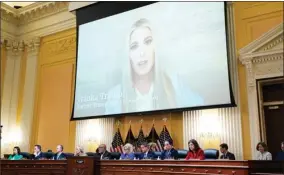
144	102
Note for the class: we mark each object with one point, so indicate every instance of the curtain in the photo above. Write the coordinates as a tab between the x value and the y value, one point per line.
91	133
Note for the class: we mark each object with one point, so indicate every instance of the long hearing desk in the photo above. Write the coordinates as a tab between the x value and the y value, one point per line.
94	166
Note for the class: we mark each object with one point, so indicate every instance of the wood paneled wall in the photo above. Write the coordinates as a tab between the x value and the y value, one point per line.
54	92
252	19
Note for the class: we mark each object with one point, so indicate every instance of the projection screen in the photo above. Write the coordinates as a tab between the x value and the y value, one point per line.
158	57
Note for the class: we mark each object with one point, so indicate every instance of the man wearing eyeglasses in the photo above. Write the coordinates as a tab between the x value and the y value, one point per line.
146	152
169	151
103	153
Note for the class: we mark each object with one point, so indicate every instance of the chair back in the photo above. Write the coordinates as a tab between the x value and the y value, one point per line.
27	155
90	153
115	155
48	155
182	153
211	153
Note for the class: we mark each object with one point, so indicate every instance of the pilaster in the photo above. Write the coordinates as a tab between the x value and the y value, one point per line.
29	91
10	91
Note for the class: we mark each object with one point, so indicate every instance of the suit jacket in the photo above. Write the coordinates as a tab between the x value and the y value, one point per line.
169	154
60	157
106	155
229	156
39	156
280	156
149	155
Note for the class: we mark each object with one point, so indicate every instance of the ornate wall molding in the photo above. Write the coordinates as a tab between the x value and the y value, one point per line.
30	13
263	58
36	20
15	48
33	45
40	10
8	13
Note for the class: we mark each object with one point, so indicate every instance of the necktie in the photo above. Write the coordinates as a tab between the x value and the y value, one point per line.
168	154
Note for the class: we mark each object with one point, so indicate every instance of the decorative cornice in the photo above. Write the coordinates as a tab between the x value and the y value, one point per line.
30	13
41	10
7	14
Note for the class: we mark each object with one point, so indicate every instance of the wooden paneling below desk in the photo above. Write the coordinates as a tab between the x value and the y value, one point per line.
93	166
35	167
145	167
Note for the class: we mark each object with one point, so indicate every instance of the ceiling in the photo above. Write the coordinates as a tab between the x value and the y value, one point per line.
21	3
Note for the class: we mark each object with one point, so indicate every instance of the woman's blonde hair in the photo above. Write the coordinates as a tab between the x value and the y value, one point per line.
129	147
80	148
163	88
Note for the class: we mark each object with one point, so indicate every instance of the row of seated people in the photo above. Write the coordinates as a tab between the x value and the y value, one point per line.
147	152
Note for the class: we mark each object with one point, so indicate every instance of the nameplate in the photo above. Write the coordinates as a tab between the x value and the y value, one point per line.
80	161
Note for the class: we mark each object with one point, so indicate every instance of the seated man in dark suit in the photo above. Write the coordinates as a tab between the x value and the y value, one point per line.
103	153
37	153
146	152
280	155
225	153
59	154
169	152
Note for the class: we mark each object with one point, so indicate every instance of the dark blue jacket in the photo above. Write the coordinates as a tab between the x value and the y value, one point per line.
169	154
150	155
38	157
280	156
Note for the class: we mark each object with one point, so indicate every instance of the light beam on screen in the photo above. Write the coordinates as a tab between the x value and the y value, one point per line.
163	56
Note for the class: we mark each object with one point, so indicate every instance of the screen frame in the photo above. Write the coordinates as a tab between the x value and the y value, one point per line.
137	4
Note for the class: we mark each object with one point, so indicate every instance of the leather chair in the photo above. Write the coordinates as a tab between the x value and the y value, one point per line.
115	155
182	153
48	155
6	156
211	153
90	154
158	154
69	155
26	155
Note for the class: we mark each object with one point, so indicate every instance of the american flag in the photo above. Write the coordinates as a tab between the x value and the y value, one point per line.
117	142
130	137
141	138
165	136
154	137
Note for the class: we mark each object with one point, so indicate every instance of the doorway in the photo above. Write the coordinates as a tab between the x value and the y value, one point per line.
271	110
